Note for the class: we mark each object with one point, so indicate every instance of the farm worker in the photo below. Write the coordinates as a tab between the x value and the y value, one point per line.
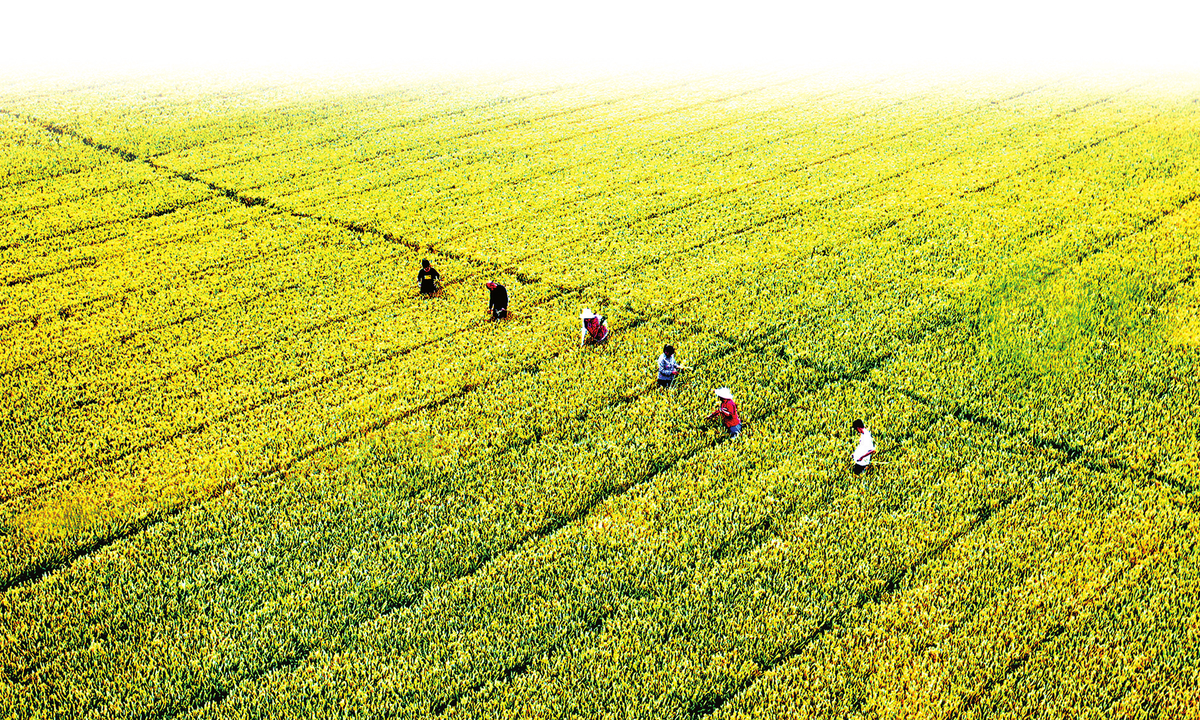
668	368
865	449
429	278
497	300
727	412
595	329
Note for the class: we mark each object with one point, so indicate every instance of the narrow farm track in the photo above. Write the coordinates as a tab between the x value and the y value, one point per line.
546	530
414	122
202	426
356	228
981	516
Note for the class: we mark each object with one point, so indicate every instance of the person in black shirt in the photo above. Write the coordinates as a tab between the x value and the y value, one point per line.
429	278
497	300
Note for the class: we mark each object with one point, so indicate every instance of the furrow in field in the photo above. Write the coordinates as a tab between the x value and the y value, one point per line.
436	155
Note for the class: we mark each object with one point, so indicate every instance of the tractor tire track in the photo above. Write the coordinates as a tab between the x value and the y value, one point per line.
460	111
356	227
779	216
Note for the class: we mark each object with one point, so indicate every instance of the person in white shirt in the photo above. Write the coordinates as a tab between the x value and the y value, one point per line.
865	449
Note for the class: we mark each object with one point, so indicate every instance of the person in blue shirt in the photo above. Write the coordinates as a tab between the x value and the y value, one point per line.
668	368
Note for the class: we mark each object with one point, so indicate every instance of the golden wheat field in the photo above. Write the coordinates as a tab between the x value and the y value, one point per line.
248	471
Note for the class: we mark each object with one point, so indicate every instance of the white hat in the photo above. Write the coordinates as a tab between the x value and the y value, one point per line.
723	393
586	314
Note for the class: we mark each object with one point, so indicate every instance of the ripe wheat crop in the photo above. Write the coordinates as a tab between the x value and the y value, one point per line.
246	470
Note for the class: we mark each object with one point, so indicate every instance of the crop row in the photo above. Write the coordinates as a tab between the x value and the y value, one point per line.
538	146
168	436
503	476
968	625
657	171
611	469
152	119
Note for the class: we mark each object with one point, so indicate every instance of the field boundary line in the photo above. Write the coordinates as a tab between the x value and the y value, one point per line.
688	203
1017	661
716	237
501	100
545	143
361	228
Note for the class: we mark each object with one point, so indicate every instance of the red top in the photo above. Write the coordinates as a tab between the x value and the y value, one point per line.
595	329
728	411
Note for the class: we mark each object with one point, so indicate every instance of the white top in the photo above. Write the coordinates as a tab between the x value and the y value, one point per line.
865	445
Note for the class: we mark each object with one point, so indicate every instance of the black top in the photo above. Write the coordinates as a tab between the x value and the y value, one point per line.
499	297
428	278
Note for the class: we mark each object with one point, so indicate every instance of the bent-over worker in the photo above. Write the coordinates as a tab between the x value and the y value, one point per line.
727	411
429	279
497	300
865	449
595	329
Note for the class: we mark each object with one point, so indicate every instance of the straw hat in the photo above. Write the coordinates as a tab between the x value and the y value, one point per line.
586	314
723	393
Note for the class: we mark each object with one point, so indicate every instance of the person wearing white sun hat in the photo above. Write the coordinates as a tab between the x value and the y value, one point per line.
595	329
727	411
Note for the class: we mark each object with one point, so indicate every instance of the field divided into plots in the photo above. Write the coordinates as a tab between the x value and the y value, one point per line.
247	472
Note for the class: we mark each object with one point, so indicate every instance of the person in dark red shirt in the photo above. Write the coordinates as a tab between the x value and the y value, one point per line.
727	411
497	300
595	329
429	278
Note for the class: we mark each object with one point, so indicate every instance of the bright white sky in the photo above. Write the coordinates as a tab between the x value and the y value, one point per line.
84	35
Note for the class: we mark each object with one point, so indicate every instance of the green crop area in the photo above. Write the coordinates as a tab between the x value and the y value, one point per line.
247	471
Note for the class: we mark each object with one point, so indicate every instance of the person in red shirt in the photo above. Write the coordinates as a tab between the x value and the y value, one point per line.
727	411
595	329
